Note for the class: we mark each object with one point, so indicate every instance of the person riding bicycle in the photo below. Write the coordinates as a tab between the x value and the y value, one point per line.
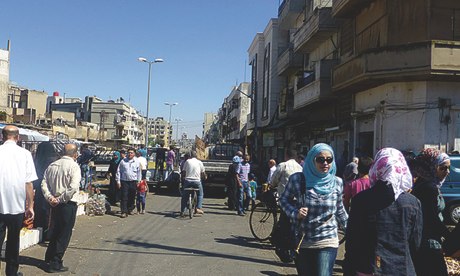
193	172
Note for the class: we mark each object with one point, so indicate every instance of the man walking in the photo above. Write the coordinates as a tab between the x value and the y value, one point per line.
60	183
243	191
17	172
193	172
281	175
128	175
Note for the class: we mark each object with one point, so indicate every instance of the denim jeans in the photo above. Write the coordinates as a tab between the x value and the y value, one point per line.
244	203
85	176
140	201
169	169
192	184
316	262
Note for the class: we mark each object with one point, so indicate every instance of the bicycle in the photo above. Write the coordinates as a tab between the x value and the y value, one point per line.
263	220
192	200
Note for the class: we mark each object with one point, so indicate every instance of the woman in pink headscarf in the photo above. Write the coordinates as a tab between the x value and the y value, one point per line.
385	222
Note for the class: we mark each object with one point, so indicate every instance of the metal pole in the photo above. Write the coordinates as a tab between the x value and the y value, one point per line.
148	105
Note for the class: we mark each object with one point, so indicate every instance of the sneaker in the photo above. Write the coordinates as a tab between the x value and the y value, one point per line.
142	212
241	214
132	213
199	211
124	215
182	215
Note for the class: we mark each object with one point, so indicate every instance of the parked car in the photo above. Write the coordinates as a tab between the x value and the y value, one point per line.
451	191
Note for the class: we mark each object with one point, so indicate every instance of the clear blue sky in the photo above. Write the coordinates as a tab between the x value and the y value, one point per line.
89	47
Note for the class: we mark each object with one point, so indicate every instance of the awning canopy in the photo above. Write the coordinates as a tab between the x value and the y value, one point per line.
29	135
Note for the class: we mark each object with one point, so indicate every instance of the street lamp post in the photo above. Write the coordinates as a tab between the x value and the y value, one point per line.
177	127
157	60
170	108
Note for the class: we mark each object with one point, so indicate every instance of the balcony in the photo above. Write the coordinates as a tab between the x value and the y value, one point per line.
312	88
347	8
317	29
289	62
288	12
410	62
115	136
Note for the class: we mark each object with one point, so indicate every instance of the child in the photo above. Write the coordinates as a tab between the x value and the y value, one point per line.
142	190
252	188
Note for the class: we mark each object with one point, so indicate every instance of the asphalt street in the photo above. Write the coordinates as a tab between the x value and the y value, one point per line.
161	243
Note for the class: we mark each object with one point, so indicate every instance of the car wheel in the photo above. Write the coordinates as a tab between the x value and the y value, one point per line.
454	213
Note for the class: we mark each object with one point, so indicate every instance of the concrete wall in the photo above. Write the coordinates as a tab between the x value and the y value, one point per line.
4	77
406	115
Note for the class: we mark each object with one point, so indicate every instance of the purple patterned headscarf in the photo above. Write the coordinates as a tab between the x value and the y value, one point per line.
391	167
432	158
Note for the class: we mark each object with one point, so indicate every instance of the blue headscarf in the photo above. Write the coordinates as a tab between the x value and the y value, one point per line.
118	157
322	183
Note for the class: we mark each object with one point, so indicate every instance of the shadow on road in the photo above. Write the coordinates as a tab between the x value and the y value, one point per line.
178	250
30	261
245	241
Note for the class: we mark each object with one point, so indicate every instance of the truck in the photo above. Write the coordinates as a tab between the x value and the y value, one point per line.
216	160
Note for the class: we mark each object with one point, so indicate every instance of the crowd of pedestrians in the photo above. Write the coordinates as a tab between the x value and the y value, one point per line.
390	208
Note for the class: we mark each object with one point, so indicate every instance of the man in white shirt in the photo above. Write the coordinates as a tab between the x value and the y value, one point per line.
128	175
61	182
284	170
193	172
272	169
17	171
143	163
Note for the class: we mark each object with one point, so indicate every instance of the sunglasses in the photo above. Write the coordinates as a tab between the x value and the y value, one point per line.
444	168
320	159
130	152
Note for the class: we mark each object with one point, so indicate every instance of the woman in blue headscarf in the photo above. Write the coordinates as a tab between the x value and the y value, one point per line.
313	202
114	192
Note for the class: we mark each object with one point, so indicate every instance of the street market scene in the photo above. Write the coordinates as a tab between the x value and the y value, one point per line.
289	137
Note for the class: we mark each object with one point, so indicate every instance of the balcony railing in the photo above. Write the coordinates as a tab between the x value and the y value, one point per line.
347	8
315	30
289	61
316	86
399	63
288	12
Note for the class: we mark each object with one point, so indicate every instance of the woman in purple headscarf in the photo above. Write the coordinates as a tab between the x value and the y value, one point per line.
431	171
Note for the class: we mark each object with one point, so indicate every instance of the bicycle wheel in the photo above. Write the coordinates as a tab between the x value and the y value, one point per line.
190	205
262	221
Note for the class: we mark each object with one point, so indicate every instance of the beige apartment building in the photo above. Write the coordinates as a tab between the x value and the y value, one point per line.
358	75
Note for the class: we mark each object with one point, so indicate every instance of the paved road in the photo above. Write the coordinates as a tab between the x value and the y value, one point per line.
160	243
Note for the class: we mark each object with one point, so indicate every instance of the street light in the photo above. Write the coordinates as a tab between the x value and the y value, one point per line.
177	127
157	60
170	108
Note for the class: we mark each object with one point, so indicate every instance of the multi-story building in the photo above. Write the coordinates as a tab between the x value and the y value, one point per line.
209	127
400	64
309	111
122	122
265	90
160	131
238	104
4	76
25	105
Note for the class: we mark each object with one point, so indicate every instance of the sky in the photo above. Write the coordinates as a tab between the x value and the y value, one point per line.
88	47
